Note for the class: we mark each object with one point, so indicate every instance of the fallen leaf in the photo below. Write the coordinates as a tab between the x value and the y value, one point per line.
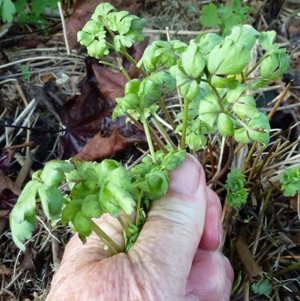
101	147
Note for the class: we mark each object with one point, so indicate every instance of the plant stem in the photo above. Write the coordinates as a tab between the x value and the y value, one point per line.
107	240
124	226
184	124
148	136
138	208
133	62
163	132
167	114
257	64
122	69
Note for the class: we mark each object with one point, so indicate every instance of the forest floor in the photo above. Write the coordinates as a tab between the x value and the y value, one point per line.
45	113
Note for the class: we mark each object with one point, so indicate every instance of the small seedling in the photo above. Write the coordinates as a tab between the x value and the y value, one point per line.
213	79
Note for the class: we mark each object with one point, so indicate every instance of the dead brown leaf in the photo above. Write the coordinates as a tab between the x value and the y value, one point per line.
101	147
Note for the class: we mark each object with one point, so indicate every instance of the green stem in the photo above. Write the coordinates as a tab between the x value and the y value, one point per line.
128	218
138	208
167	113
124	226
148	137
133	62
184	124
122	69
257	64
115	249
163	132
218	97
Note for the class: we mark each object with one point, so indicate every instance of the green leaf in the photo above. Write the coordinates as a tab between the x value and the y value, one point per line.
173	159
102	10
245	107
122	41
263	287
52	201
158	184
82	225
223	82
228	58
209	17
234	94
244	35
236	193
119	21
54	172
266	39
257	130
8	9
193	61
225	125
209	110
290	181
70	210
22	217
149	60
207	42
91	206
135	32
98	49
274	66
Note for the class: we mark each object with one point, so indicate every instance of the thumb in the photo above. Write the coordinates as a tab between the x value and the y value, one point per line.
175	223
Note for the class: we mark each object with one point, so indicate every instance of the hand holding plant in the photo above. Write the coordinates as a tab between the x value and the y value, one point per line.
175	257
214	77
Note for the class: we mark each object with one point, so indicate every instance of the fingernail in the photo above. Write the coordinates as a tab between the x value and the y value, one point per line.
191	298
185	179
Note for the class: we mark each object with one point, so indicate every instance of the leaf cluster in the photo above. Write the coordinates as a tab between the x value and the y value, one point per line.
94	189
236	192
290	181
123	28
225	16
20	8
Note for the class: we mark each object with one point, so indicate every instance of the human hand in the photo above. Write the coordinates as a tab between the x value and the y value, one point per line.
175	257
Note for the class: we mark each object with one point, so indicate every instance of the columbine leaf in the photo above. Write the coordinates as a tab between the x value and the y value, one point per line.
274	66
54	172
228	58
52	201
119	21
244	35
236	193
122	41
209	110
149	60
136	29
98	49
290	181
225	125
91	206
8	9
82	225
266	39
70	210
158	183
207	42
193	61
233	94
102	10
245	107
173	159
22	217
209	17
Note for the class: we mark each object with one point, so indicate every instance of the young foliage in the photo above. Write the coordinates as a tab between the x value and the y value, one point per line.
236	192
212	80
290	181
225	17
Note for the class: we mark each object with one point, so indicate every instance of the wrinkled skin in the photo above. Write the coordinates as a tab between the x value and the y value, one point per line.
176	256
